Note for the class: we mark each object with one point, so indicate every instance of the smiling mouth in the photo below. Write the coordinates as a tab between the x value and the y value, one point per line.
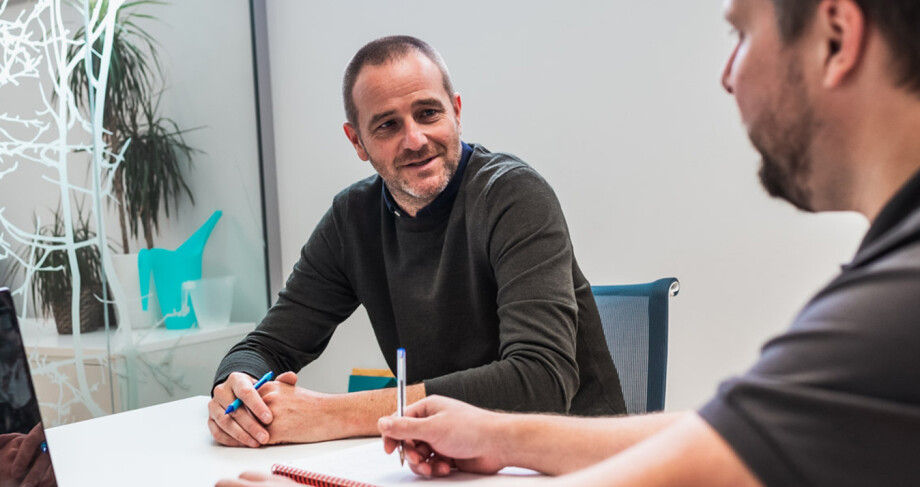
420	163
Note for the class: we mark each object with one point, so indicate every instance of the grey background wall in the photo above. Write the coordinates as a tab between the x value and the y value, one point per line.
618	104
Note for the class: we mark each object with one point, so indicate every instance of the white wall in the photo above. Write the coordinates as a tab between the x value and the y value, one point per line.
618	105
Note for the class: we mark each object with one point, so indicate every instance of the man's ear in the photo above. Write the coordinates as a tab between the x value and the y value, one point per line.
355	140
457	105
842	26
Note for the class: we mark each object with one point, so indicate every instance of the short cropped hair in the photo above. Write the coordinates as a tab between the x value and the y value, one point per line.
381	51
897	20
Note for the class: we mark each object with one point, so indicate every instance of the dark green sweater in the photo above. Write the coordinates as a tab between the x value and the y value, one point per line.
485	295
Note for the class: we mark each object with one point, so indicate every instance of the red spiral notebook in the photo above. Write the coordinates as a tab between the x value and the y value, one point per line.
368	466
316	479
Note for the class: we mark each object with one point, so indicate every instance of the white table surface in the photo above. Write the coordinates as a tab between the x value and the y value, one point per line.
164	445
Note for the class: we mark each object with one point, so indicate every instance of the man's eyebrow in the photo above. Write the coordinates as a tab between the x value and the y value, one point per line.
427	102
380	116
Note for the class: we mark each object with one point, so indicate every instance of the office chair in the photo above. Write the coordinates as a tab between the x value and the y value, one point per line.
635	321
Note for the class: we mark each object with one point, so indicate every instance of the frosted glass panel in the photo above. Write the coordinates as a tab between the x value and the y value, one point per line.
96	167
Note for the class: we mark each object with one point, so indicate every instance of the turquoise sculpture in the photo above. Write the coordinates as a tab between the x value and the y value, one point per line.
170	268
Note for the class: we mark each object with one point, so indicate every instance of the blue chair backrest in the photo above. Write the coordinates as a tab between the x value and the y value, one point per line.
635	321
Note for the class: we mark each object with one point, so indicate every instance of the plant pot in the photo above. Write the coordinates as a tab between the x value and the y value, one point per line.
92	315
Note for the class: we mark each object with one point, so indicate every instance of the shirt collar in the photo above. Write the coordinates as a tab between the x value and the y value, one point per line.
443	200
902	204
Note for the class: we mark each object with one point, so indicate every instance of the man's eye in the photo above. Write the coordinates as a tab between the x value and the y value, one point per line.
385	125
428	113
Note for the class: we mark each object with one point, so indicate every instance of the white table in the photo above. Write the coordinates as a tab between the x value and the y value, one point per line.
164	445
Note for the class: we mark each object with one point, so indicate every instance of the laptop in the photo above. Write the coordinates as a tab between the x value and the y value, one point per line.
24	456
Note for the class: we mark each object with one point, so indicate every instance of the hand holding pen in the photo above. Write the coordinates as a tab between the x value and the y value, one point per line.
237	402
237	414
401	394
442	435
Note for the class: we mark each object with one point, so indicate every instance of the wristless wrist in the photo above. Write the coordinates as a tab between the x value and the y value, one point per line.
516	434
348	415
504	438
356	413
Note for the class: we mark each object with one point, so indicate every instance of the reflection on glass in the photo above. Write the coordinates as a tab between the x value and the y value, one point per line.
24	458
18	407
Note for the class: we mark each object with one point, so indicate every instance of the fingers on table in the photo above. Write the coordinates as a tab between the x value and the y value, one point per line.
244	390
221	436
432	467
256	479
389	444
423	461
238	428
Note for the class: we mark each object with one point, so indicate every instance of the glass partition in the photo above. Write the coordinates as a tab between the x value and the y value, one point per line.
131	219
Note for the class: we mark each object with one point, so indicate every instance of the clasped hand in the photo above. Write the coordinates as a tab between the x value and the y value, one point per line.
278	412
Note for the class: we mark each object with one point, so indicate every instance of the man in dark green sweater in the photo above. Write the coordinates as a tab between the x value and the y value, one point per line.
459	255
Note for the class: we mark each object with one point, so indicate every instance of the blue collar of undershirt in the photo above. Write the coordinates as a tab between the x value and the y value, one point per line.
444	200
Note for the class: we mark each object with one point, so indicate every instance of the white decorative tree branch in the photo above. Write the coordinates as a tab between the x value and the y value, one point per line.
34	58
35	50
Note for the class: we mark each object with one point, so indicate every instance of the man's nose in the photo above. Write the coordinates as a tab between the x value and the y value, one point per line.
415	137
727	73
726	80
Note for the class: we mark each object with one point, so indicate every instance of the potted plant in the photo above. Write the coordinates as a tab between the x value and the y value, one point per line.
152	170
53	286
151	173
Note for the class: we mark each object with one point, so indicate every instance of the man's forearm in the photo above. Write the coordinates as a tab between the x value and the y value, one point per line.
358	412
560	444
688	453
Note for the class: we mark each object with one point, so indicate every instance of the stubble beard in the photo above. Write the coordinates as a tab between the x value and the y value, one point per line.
422	197
783	137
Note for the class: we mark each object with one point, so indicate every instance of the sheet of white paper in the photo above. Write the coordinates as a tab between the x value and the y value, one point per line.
369	464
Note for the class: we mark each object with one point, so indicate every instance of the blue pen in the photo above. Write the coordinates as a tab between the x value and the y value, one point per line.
237	403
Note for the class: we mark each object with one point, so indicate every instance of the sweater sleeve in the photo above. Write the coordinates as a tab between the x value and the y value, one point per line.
524	233
316	298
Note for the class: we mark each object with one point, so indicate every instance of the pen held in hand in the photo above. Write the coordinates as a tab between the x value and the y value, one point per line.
237	403
401	394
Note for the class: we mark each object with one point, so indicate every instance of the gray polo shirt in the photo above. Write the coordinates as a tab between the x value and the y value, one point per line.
835	401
